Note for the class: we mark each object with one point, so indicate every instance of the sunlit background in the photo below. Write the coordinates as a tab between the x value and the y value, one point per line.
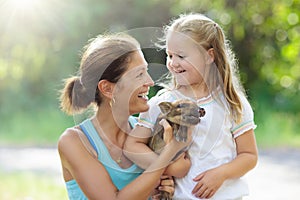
41	40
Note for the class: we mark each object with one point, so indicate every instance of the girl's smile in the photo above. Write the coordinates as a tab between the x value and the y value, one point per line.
185	60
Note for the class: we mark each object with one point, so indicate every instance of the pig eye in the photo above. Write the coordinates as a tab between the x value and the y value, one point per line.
183	105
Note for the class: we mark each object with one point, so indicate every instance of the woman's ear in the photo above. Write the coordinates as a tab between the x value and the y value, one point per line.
211	55
106	88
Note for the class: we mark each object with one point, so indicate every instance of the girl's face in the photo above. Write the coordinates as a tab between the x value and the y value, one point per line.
132	89
186	59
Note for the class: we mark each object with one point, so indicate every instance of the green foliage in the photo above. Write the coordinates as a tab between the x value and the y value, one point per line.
277	128
39	127
265	36
41	42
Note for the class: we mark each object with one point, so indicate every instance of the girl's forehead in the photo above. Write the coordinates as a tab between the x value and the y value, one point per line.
179	42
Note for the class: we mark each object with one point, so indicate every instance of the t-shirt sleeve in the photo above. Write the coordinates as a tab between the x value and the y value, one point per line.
148	119
247	122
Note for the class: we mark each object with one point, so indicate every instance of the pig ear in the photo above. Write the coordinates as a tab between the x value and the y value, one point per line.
165	107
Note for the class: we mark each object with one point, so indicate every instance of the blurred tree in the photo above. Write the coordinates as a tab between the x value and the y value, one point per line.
266	38
40	42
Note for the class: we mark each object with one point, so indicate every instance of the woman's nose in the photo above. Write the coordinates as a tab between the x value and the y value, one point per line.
149	81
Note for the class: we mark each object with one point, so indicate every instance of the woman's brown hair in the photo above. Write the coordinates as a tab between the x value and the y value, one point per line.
106	57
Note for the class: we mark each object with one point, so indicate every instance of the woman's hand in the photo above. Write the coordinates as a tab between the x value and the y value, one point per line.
168	131
166	184
169	139
179	167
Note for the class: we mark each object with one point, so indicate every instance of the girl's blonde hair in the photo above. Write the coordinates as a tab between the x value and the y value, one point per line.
106	57
208	34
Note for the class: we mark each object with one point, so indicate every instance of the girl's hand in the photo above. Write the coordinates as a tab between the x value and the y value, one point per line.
166	184
208	183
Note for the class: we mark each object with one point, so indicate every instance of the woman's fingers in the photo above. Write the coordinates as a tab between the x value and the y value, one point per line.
167	185
169	138
168	131
167	181
155	195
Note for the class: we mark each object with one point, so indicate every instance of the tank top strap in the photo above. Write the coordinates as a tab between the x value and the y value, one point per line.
97	143
84	128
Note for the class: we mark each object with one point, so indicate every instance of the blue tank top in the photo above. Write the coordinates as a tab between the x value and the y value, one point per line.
120	177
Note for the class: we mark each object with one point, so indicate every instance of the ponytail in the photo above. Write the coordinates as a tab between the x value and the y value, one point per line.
74	98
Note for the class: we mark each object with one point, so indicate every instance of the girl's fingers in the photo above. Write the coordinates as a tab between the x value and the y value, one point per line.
196	188
199	177
212	192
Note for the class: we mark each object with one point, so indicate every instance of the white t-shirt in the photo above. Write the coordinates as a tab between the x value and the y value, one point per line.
213	141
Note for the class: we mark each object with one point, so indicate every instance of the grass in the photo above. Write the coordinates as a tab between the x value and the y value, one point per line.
34	128
277	129
30	186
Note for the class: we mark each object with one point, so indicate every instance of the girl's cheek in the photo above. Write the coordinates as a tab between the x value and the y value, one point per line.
169	66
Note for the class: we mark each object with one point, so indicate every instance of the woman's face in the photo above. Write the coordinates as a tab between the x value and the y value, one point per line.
131	91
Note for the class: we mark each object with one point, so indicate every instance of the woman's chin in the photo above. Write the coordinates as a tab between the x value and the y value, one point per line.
145	109
140	109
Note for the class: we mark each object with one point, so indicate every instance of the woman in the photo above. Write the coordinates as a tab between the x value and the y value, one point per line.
113	77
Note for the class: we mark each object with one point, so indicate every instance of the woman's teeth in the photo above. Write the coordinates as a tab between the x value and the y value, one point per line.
143	95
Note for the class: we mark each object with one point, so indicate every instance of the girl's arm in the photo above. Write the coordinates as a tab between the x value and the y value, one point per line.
210	181
93	178
137	150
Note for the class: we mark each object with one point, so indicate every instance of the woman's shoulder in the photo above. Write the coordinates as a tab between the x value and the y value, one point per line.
68	138
73	140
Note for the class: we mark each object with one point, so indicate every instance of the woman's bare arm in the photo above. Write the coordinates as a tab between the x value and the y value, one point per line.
137	150
93	178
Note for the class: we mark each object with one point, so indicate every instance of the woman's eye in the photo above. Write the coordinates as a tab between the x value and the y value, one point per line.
140	75
181	57
170	56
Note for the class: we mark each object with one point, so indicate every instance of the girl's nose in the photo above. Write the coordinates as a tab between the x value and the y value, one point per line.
174	62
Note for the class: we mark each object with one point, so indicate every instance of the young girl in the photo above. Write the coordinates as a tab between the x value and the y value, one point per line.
224	148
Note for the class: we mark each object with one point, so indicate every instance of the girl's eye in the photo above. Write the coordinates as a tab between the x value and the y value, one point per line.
179	56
